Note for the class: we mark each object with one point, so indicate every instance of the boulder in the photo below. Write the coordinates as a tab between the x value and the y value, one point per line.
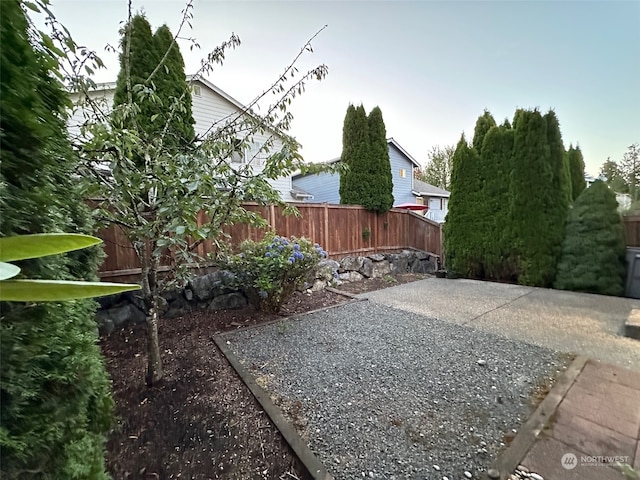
228	301
120	316
205	287
399	262
326	269
348	264
367	268
380	269
377	257
350	276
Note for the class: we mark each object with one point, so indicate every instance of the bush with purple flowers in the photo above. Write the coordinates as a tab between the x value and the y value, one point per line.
271	270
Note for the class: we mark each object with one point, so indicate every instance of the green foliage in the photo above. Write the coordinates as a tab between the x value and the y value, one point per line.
23	247
462	238
368	181
497	163
539	197
593	251
437	172
630	167
271	270
576	171
56	405
614	177
484	123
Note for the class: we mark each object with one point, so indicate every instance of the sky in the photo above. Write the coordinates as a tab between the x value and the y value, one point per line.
431	66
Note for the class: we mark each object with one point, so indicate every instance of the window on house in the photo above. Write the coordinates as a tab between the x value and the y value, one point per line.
403	173
237	155
195	90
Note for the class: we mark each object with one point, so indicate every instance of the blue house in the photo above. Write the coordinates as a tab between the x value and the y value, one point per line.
325	187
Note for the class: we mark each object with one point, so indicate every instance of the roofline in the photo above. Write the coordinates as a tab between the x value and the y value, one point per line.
218	90
430	194
404	152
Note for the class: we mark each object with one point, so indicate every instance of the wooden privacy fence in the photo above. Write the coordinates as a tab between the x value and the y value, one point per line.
632	229
342	230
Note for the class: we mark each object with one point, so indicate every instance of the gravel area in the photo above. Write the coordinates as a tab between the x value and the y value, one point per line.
383	393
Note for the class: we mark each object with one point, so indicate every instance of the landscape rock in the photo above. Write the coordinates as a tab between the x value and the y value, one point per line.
325	270
208	286
399	262
348	264
350	276
377	257
229	301
121	316
367	268
380	269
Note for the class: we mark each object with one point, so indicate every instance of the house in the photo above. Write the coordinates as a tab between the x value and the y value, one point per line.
210	105
325	187
436	198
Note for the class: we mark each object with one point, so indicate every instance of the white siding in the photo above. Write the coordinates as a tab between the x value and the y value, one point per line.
209	108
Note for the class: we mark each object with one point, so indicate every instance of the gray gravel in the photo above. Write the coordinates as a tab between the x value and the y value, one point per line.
391	394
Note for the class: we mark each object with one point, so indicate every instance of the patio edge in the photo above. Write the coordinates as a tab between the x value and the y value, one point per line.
310	462
508	460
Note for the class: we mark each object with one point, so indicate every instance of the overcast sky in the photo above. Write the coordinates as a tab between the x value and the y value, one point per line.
432	67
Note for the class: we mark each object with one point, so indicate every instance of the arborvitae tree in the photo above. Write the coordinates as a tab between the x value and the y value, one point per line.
576	171
593	251
497	161
56	405
484	123
142	60
380	181
171	83
355	154
534	236
462	237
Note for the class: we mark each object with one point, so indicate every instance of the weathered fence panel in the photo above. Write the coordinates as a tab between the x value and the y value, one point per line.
632	229
341	229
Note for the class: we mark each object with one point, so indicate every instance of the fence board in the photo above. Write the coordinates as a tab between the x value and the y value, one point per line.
632	230
338	228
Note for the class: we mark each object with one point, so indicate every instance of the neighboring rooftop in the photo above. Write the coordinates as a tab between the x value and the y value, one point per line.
423	189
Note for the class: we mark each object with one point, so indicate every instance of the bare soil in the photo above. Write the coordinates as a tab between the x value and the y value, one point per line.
201	422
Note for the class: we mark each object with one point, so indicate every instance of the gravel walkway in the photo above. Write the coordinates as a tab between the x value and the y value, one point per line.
385	393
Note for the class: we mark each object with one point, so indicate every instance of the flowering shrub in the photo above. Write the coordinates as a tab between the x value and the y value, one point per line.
271	270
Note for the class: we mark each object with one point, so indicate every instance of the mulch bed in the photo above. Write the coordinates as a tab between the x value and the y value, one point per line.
201	422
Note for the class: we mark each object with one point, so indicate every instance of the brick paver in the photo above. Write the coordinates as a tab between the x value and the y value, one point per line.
598	417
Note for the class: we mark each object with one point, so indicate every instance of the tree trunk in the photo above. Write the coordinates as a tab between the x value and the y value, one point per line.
154	366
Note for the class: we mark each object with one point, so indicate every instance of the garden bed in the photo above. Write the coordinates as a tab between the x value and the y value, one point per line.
201	422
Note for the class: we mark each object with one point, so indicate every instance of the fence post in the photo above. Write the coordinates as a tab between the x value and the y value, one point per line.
326	227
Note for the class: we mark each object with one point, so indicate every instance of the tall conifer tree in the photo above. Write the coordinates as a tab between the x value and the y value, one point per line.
355	154
380	183
576	171
484	123
56	405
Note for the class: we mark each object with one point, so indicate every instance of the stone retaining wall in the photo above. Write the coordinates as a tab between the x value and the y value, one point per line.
213	291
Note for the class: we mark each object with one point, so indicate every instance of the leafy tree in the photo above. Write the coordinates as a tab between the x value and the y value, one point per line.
355	155
593	251
158	201
437	172
497	161
462	235
576	170
539	196
56	405
614	177
380	183
630	167
484	123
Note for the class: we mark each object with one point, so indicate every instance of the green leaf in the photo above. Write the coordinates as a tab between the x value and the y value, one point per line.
8	271
57	290
31	6
180	230
21	247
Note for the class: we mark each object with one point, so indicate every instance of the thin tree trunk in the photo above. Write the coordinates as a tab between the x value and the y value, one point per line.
154	367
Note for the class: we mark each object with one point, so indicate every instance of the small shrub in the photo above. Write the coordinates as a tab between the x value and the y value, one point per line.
271	270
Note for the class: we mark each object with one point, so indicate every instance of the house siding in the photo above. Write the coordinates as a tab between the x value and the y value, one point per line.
402	186
325	187
208	108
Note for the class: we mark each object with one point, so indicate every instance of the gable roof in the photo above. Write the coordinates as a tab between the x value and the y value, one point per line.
423	189
390	141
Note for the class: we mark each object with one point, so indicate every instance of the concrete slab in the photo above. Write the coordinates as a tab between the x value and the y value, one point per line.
636	463
632	325
608	411
613	374
589	380
587	436
458	301
555	460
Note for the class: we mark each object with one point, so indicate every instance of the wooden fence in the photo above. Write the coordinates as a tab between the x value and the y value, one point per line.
342	230
632	229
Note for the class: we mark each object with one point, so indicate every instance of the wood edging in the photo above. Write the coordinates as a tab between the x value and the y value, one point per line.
310	462
528	434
